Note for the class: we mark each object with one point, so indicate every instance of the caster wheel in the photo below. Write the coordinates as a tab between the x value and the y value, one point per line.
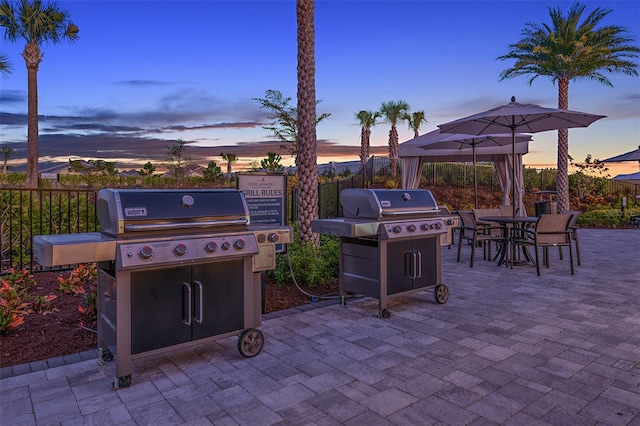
441	293
343	301
106	355
122	382
384	313
250	343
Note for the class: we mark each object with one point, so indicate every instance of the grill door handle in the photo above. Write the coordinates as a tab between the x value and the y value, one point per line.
418	267
199	313
408	265
186	303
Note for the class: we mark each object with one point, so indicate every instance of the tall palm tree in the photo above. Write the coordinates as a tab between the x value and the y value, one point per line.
5	65
415	121
229	158
565	50
37	24
307	147
367	121
394	112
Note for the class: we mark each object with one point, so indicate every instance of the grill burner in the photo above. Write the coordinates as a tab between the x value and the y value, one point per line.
389	243
175	268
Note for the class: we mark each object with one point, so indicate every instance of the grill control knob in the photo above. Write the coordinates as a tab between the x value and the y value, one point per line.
180	250
239	244
274	237
145	253
397	229
411	228
262	238
438	225
226	245
425	227
211	247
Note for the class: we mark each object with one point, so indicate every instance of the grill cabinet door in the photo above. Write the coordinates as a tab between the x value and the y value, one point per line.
412	264
162	299
399	266
222	295
157	308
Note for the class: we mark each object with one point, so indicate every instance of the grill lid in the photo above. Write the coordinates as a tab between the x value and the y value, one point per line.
378	203
122	211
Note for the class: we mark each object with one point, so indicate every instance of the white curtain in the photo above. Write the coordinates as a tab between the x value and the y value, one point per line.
503	170
411	172
504	166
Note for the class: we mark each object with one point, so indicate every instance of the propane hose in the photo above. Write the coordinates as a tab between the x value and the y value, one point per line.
312	296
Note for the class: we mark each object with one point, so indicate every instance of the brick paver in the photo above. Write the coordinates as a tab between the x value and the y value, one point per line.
507	348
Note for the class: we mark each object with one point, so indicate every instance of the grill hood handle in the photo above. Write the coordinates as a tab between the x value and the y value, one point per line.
182	225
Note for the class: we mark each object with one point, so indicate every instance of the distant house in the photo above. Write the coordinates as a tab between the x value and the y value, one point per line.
190	170
129	173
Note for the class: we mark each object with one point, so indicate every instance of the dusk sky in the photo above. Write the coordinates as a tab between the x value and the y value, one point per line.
145	73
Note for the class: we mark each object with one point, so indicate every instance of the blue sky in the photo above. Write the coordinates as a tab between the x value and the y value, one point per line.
145	73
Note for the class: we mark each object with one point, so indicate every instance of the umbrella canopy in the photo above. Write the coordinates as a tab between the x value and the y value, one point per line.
627	156
460	141
630	178
517	117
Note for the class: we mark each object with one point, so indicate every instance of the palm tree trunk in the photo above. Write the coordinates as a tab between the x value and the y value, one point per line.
393	150
307	148
32	58
562	181
365	136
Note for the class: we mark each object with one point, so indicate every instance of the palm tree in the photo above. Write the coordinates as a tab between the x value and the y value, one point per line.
566	50
307	146
5	65
415	121
393	113
367	121
36	23
229	158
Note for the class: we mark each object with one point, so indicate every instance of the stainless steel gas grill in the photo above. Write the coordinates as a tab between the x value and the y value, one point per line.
175	268
390	242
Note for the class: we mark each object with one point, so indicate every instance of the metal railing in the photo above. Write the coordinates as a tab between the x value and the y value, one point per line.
26	213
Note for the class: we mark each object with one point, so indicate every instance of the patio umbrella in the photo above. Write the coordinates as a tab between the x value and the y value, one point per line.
517	117
627	156
629	178
460	141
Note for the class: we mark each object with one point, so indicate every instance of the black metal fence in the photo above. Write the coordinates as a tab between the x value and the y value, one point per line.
26	213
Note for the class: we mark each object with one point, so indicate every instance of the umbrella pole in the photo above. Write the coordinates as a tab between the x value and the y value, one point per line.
513	169
475	175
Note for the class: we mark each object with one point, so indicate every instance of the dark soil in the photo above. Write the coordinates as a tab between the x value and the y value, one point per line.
62	329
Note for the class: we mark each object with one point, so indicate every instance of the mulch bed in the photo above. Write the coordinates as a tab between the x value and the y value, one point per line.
62	329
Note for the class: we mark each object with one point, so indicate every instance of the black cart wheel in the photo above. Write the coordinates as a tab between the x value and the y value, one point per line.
122	382
250	343
441	293
384	313
106	355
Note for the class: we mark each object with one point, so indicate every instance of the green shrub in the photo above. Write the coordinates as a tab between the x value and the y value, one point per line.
606	218
311	266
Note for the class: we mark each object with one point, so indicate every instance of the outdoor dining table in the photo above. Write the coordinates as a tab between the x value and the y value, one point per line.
506	255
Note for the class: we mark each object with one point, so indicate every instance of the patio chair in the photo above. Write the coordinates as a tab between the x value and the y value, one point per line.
574	231
506	210
478	236
478	214
551	230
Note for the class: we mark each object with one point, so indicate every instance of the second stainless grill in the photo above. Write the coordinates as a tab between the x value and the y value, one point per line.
390	242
